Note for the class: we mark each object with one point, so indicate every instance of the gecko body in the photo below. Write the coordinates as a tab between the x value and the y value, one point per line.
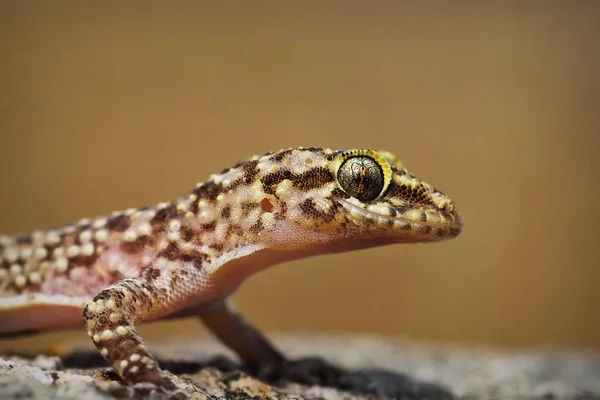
184	257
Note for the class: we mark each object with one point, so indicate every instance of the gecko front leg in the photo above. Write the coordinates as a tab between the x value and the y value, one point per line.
110	320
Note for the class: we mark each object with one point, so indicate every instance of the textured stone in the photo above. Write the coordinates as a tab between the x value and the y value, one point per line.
356	368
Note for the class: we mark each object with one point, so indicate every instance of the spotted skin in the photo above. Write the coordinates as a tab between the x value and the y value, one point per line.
184	257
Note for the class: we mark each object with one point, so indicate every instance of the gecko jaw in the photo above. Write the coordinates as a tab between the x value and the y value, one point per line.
411	226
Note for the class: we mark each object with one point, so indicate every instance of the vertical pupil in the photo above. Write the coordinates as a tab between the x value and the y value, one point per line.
362	177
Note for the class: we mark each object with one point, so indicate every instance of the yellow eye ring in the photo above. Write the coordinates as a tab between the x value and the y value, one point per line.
363	174
392	159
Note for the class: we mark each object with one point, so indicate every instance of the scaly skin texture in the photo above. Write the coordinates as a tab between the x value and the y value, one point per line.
186	256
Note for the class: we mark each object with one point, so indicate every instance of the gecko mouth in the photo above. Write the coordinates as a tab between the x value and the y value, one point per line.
430	224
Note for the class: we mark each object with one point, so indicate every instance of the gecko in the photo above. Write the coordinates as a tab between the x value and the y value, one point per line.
185	257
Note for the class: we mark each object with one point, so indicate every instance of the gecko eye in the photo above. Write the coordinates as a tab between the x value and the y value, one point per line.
361	177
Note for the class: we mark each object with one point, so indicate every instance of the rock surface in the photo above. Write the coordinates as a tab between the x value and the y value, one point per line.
356	368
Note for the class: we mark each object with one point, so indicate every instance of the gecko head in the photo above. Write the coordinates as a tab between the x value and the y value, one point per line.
353	198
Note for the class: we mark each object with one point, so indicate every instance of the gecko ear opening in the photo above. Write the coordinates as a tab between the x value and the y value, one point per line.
363	174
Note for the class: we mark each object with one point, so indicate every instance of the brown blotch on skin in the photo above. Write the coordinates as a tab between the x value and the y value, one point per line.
171	252
416	196
158	229
250	171
406	227
234	229
84	261
195	257
210	227
337	192
282	211
266	205
257	227
194	206
187	233
137	245
423	217
282	154
426	229
119	297
248	206
103	295
313	178
274	178
209	190
309	208
150	273
226	212
217	246
164	214
394	212
440	232
118	223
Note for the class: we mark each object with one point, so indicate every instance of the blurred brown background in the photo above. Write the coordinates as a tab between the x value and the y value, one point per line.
106	106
